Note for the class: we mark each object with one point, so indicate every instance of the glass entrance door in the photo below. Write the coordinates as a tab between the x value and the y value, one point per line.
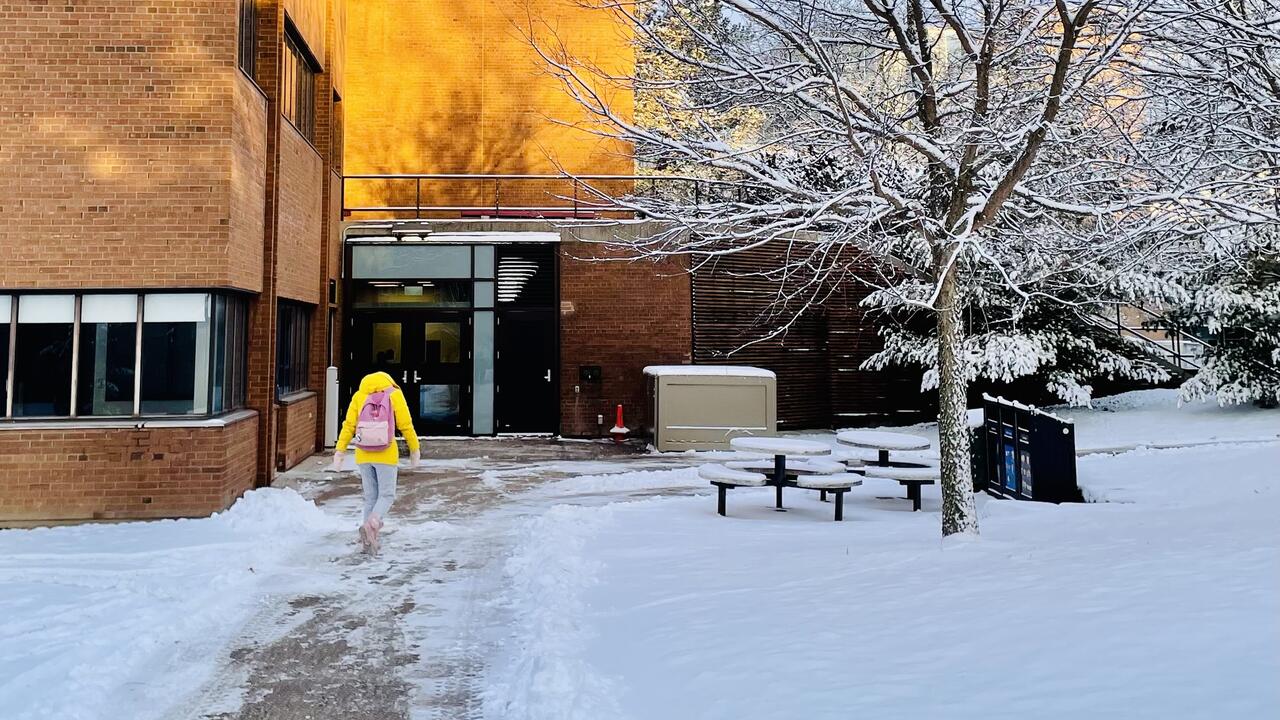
428	355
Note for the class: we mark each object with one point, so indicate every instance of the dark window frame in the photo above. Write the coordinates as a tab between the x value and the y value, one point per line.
336	131
293	348
298	71
247	50
228	335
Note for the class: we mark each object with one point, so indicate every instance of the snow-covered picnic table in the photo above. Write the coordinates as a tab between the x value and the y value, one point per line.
780	447
807	472
882	442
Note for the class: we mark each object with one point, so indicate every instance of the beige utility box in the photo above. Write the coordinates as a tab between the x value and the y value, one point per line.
701	407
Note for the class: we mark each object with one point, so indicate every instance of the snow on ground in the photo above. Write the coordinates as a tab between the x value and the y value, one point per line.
1161	600
1153	418
618	592
89	613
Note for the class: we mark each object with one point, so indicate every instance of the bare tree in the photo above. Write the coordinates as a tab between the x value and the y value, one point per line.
968	144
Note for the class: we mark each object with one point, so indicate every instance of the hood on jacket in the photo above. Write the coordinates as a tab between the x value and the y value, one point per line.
376	382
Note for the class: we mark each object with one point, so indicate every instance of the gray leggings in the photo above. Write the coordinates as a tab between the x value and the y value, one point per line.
379	482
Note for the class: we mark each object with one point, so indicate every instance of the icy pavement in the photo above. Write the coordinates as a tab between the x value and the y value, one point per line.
405	634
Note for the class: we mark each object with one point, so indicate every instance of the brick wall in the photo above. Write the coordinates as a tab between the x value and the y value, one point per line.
310	18
111	473
114	143
301	221
621	316
296	431
248	184
439	86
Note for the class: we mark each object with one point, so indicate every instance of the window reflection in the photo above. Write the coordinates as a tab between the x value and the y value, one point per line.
443	343
440	404
413	294
386	344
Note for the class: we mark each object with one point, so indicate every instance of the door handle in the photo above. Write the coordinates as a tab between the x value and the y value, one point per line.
404	379
415	377
548	375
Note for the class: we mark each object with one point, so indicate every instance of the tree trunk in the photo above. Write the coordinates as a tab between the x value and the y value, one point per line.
959	513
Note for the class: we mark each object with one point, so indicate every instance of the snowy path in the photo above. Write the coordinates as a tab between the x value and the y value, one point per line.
406	634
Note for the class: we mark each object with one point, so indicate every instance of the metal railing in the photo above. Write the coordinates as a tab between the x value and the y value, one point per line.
1177	347
429	195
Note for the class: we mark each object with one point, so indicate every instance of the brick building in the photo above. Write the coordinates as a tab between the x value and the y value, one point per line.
209	202
169	184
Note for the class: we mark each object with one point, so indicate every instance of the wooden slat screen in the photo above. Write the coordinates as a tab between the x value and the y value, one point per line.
816	359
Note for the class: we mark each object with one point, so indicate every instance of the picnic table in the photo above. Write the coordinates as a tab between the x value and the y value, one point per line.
780	449
883	443
807	470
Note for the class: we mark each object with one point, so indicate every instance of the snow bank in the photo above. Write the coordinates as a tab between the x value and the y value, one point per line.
120	620
546	675
1156	418
278	511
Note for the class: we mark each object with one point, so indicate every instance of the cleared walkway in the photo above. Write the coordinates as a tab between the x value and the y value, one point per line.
400	635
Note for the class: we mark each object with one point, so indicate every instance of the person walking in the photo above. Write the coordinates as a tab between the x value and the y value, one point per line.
376	410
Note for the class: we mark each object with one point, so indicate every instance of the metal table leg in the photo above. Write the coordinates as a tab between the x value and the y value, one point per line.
779	477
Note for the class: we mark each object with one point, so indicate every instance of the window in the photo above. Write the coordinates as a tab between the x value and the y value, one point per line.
6	328
42	355
298	85
335	134
230	361
123	354
248	48
175	354
108	355
412	294
293	339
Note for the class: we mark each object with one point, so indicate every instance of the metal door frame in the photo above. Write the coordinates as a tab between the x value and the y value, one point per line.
557	359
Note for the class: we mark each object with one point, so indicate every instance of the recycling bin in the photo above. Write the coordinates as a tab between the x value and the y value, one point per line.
1026	453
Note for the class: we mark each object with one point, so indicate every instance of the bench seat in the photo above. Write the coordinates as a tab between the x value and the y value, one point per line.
731	476
910	477
828	482
724	478
837	484
810	466
871	456
904	474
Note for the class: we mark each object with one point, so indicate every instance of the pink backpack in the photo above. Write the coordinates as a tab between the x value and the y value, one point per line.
375	428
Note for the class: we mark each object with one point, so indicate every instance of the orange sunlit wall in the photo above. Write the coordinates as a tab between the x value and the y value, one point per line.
449	86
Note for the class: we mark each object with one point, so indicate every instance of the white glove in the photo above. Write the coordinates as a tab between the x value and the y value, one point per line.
415	459
338	457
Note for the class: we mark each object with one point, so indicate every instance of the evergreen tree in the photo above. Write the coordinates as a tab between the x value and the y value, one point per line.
1240	308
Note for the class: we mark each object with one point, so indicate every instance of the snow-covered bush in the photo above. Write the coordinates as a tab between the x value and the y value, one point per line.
1064	347
1239	305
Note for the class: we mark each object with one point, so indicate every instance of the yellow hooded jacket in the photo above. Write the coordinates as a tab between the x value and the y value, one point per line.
372	383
